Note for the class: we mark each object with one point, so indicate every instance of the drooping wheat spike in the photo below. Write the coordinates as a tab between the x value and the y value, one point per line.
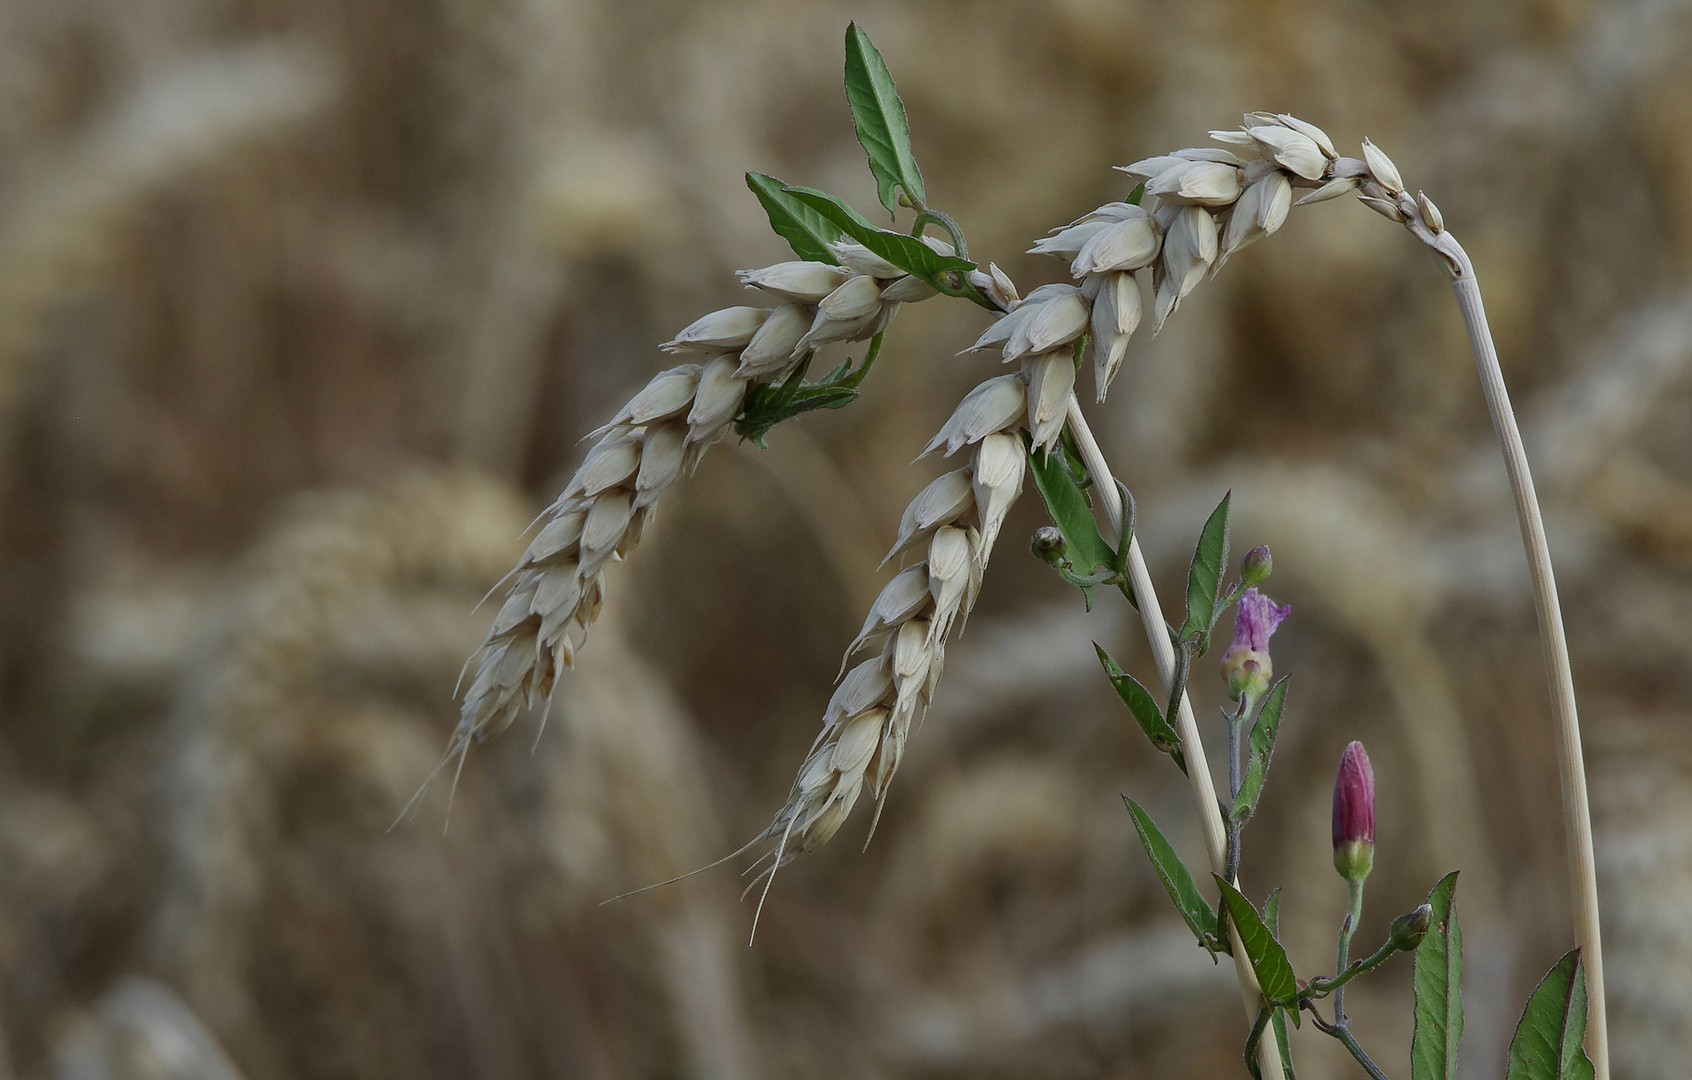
955	520
555	590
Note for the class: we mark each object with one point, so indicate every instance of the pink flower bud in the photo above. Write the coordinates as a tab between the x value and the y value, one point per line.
1354	814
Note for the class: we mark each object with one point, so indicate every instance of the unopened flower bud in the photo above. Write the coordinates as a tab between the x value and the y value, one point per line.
1354	814
1408	930
1256	566
1048	544
1246	665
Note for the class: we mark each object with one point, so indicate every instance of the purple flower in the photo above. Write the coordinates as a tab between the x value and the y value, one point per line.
1246	664
1256	621
1354	814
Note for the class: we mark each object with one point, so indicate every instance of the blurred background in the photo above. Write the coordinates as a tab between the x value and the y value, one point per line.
304	307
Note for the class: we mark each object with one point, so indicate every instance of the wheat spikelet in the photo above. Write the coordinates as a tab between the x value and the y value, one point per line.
955	521
555	590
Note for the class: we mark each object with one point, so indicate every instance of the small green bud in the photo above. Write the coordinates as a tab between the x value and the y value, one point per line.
1048	544
1256	566
1409	930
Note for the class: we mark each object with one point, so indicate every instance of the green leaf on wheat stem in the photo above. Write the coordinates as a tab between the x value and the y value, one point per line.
1177	880
1268	959
1547	1043
1262	741
1439	995
1204	577
807	232
879	117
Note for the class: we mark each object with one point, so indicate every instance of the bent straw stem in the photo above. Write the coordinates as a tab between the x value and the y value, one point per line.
1577	815
1198	769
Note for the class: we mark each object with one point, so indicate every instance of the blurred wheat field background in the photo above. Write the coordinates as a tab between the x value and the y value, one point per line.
304	307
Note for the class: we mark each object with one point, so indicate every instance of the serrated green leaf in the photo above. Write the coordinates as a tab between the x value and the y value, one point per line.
1177	881
879	117
906	252
1068	507
1204	576
1144	709
807	232
1439	996
1262	741
1274	972
1547	1042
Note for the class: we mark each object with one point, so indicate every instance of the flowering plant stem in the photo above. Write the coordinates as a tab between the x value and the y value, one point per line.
1353	913
1198	769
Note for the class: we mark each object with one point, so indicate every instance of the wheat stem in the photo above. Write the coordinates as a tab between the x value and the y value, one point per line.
1577	815
1198	769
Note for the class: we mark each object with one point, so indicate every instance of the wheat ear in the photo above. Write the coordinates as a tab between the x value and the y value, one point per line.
1198	770
555	590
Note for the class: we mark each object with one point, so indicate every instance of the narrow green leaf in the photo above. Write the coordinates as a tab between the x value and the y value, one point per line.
1280	1025
1439	996
1204	577
906	252
1262	739
1272	912
1177	881
1547	1043
1144	709
807	232
879	116
1274	972
1068	507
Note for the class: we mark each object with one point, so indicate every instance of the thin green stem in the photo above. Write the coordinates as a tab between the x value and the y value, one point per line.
857	376
1319	988
1343	1034
945	221
1354	912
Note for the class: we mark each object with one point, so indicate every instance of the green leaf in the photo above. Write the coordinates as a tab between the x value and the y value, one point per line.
879	116
807	232
1281	1042
1262	739
906	252
1144	708
1177	881
1547	1043
1204	577
1274	972
1272	912
1070	513
1439	996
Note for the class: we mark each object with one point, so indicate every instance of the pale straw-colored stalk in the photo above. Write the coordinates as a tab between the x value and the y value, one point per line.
1198	769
